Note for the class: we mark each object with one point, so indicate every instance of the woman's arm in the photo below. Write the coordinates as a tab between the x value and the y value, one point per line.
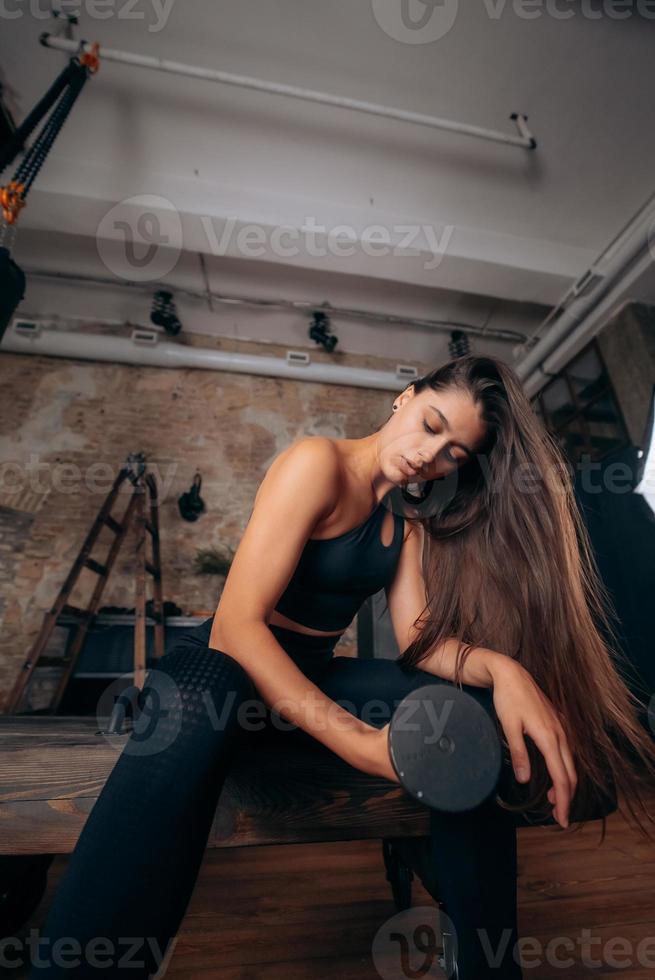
300	487
282	686
480	667
521	706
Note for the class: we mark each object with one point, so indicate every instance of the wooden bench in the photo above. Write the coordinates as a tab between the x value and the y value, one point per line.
286	790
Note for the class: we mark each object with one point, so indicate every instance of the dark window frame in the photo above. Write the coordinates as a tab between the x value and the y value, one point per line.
581	406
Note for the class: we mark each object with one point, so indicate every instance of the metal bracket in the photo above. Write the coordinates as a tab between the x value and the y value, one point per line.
66	22
521	124
27	328
298	358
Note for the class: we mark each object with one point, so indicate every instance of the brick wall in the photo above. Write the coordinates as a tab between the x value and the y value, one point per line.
68	426
14	534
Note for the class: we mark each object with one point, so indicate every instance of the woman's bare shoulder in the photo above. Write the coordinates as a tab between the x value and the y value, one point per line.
319	450
318	446
310	457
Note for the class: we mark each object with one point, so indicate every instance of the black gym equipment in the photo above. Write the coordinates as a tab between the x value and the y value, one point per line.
445	748
62	94
190	504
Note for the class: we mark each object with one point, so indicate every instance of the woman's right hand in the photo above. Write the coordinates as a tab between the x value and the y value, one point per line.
374	757
524	709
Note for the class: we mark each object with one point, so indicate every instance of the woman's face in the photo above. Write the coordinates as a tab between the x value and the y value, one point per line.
431	434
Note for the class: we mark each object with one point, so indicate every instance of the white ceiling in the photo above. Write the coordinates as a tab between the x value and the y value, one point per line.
498	232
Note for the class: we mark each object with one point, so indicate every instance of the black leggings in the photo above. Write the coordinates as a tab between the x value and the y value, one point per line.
128	882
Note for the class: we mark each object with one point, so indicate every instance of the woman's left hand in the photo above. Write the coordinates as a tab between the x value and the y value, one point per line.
522	707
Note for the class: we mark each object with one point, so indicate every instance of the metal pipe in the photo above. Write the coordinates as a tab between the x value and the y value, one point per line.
524	139
627	232
574	319
302	306
124	350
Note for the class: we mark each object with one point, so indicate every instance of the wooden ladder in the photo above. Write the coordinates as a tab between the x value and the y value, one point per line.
143	483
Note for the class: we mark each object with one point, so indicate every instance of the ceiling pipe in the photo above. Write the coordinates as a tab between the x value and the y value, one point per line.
524	139
583	310
145	348
302	306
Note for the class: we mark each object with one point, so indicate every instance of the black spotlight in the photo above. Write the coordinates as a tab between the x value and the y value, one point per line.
458	345
191	504
164	313
318	331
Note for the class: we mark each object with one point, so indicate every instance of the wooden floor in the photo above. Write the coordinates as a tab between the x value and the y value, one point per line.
312	911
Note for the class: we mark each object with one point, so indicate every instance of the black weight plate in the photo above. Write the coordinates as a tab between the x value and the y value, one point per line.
445	747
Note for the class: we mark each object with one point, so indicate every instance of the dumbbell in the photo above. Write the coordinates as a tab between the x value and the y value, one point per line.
444	747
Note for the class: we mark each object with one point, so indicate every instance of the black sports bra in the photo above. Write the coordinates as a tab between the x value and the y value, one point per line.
334	576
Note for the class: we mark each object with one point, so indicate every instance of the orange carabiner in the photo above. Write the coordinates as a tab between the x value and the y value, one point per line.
11	201
91	59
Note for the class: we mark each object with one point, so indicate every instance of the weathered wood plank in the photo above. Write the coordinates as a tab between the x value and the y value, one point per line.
287	790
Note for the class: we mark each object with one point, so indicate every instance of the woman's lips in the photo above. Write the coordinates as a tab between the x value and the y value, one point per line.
410	470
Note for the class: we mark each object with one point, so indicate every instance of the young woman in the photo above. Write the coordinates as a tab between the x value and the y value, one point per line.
490	584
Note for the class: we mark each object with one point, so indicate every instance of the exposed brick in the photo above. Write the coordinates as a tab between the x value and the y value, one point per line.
89	416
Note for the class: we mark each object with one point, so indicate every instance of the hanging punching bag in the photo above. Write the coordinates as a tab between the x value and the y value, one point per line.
12	288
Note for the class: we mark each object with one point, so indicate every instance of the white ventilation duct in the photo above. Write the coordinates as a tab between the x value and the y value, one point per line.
585	308
145	348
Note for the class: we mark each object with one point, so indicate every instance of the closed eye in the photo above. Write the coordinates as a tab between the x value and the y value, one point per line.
449	455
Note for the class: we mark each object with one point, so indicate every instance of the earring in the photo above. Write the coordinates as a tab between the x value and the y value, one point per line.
395	407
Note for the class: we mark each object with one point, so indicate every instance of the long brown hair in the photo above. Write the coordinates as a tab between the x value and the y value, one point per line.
508	564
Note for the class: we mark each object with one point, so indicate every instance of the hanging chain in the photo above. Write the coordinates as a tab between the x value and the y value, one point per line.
13	195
